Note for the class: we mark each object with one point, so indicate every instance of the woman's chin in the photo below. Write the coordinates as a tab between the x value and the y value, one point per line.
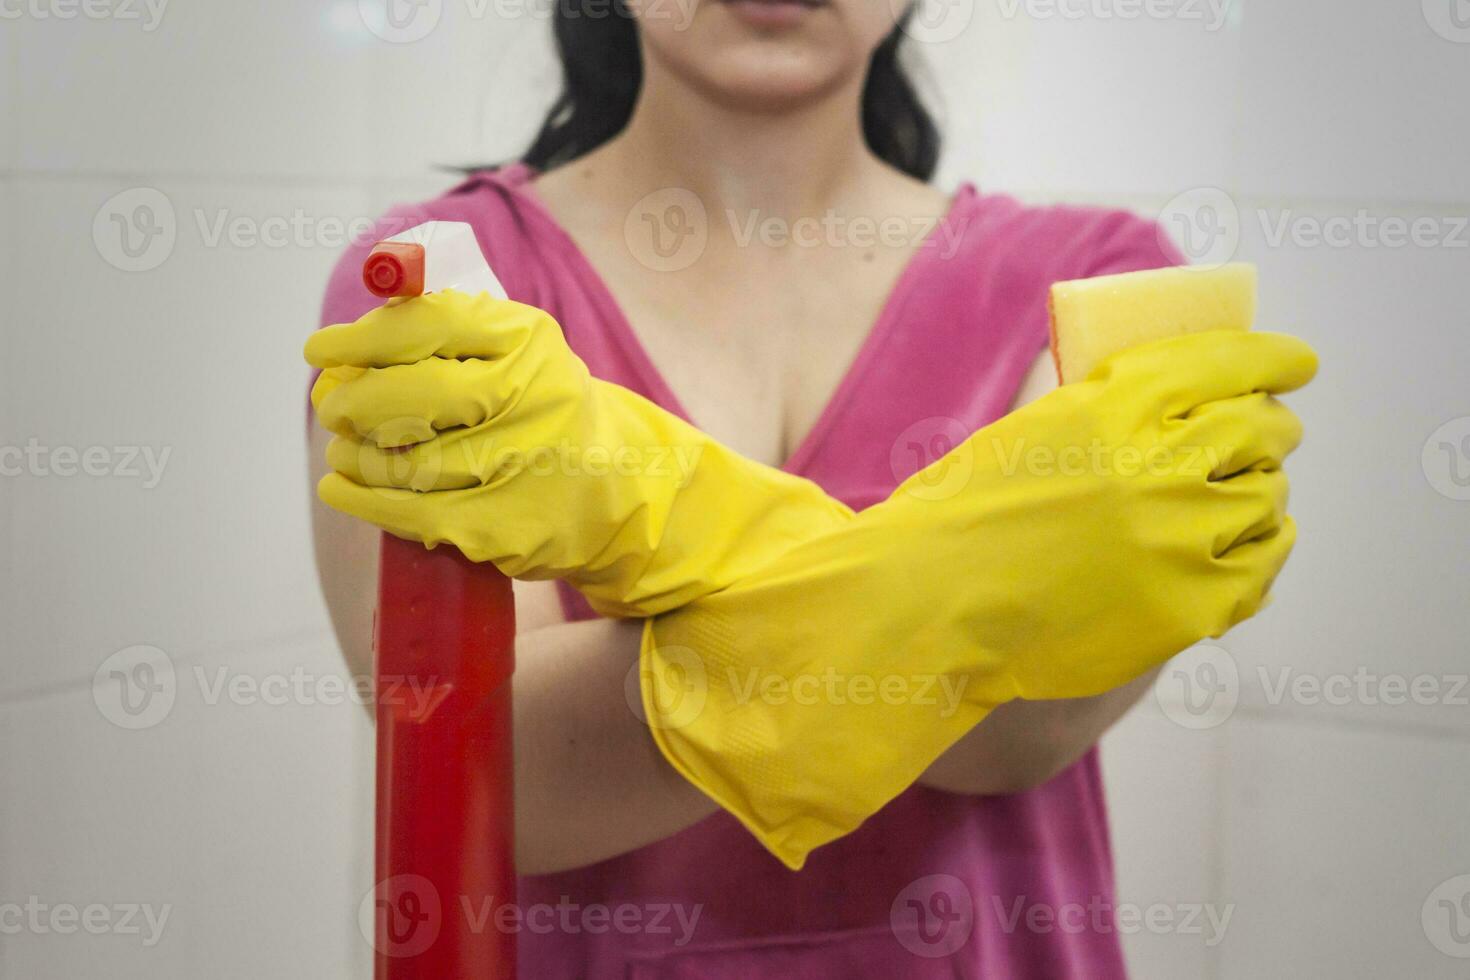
769	76
767	55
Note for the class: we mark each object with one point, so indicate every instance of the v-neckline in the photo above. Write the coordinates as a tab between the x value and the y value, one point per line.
657	388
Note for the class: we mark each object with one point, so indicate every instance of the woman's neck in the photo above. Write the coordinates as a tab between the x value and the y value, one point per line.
788	160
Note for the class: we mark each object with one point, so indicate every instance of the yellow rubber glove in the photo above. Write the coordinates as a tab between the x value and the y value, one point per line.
1059	552
516	455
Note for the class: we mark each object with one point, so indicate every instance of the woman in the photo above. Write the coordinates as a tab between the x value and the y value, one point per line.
842	355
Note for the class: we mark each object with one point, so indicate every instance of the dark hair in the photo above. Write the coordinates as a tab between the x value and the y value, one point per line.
602	70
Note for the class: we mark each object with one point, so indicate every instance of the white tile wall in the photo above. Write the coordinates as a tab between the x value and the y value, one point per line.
213	89
198	359
1390	325
9	434
1031	98
1160	775
10	884
466	94
1325	826
1334	840
9	137
523	80
243	820
279	89
1354	101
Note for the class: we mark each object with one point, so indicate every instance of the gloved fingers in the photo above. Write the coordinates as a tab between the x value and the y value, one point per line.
400	512
329	381
1254	431
409	403
1256	563
1179	373
1251	505
453	460
444	324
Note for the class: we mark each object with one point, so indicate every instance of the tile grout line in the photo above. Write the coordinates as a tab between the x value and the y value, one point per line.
1354	724
1220	747
1030	194
73	685
1215	864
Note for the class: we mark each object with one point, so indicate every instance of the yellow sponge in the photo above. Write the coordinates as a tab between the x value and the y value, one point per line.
1094	318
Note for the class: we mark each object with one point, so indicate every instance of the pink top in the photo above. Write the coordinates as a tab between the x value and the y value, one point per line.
936	884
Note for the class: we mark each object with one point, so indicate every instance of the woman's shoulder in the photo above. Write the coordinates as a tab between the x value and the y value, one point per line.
995	260
491	201
1054	241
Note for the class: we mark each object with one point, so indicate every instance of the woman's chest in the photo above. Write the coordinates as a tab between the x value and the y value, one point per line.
755	359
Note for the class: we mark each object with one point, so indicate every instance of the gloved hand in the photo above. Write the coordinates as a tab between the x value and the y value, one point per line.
1059	552
468	420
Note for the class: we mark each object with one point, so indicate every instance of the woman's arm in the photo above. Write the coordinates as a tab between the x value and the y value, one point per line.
1023	744
590	783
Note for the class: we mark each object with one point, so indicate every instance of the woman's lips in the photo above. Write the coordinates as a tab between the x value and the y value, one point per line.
772	13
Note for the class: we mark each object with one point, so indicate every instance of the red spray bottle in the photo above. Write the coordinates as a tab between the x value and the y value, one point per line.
445	642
